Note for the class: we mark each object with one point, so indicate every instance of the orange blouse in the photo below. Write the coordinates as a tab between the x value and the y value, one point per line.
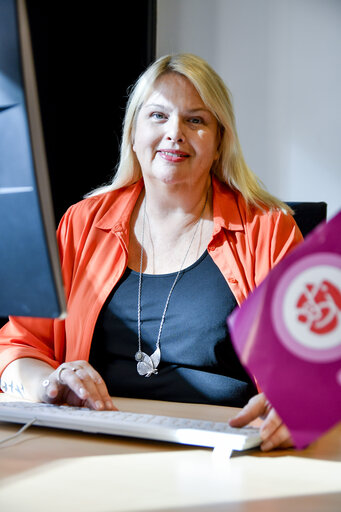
93	239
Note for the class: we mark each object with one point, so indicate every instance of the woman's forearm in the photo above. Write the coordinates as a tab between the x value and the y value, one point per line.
23	378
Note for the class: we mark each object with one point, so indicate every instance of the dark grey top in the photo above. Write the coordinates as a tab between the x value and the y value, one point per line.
198	363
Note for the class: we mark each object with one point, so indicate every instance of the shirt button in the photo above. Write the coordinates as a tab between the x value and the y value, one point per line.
232	280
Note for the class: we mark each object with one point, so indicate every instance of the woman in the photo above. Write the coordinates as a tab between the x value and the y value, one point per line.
154	262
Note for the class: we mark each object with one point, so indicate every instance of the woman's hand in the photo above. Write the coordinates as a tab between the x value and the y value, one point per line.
77	383
274	433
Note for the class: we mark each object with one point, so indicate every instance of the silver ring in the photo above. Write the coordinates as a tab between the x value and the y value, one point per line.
72	369
59	374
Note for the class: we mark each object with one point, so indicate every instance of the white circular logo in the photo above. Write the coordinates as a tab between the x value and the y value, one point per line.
307	307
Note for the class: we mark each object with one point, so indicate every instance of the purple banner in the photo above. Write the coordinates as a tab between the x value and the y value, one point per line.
287	334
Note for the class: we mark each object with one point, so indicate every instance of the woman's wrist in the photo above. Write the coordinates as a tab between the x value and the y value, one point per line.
23	378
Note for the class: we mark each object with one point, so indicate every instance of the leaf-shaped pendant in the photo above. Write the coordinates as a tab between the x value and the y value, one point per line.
146	365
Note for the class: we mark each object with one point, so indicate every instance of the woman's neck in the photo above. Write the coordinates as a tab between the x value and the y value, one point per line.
169	223
180	205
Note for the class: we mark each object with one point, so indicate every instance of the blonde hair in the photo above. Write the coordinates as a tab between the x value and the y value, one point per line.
230	167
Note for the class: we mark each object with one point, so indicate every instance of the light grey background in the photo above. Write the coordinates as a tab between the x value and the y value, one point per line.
281	59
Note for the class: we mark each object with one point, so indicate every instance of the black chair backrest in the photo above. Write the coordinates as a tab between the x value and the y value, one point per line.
308	215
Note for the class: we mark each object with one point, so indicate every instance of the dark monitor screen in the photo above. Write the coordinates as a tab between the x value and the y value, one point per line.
30	274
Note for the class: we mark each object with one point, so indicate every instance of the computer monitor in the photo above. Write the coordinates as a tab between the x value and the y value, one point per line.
30	274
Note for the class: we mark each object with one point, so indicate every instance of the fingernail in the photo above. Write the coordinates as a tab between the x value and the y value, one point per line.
52	392
266	446
98	404
82	392
108	404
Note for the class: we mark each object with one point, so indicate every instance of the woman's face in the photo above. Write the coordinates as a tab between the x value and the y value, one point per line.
176	136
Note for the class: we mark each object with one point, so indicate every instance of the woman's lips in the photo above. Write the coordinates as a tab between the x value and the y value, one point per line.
173	155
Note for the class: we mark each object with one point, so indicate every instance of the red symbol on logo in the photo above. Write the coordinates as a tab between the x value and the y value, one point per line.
319	307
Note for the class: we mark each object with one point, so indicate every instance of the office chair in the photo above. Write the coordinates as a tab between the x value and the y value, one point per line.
308	215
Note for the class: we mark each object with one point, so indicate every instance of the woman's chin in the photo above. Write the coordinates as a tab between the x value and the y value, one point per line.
170	177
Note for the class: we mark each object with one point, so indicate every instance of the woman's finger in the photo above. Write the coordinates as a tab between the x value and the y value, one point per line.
101	388
78	383
64	378
280	438
257	406
97	393
271	423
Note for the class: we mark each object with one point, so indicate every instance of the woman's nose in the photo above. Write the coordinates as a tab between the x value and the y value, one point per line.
175	131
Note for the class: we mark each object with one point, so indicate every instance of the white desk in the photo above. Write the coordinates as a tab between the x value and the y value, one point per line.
52	470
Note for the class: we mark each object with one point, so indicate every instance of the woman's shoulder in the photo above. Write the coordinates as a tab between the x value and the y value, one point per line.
272	228
234	204
98	206
256	218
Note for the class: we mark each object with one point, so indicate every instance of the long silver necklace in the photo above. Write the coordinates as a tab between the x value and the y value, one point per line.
147	365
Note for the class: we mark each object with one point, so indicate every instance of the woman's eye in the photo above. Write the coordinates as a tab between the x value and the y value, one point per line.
195	120
158	116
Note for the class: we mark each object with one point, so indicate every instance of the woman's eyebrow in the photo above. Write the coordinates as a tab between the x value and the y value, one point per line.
199	109
154	105
189	111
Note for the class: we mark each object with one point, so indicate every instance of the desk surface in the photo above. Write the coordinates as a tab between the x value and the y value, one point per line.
47	469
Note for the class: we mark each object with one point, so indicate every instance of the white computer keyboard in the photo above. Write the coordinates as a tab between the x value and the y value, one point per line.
147	426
